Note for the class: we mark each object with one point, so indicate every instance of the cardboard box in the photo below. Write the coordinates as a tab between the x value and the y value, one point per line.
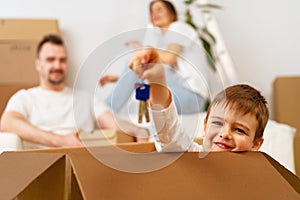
286	98
18	43
32	175
27	29
30	187
105	137
219	175
17	62
133	147
98	137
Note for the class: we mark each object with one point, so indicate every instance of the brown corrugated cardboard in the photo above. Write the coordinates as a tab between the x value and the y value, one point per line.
130	147
17	62
286	98
218	175
291	178
32	175
98	137
18	41
72	190
105	137
124	138
27	29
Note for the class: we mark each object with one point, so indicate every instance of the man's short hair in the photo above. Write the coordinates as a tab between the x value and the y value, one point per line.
54	39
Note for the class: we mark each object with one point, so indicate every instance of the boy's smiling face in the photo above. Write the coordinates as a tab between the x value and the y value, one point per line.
228	129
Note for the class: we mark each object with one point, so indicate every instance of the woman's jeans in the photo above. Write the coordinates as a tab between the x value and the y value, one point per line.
186	101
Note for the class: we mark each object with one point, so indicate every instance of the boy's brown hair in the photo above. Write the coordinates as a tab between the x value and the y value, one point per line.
246	99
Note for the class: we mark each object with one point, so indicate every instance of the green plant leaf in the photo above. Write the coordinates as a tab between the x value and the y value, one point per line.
189	2
209	53
210	6
209	38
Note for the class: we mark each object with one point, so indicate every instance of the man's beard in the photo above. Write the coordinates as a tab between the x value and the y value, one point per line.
56	82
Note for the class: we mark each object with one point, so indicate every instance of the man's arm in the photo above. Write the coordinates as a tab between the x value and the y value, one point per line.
15	122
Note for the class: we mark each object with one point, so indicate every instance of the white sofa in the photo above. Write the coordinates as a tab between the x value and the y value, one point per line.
10	142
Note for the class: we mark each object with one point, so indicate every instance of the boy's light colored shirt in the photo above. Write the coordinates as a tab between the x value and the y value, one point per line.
169	131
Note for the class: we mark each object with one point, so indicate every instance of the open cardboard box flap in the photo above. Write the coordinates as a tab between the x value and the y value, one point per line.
30	175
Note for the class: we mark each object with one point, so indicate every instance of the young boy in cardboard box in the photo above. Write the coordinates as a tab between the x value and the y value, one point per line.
44	115
235	120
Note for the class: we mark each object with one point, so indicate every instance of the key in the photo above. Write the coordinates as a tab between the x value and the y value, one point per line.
142	94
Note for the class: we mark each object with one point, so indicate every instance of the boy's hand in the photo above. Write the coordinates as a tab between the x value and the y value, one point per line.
147	65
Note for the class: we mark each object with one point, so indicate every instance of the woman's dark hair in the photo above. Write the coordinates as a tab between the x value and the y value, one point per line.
169	6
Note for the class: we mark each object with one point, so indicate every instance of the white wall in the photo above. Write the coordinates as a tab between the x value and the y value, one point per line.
84	24
262	37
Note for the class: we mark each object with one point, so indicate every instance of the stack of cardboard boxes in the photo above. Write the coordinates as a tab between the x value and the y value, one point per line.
18	41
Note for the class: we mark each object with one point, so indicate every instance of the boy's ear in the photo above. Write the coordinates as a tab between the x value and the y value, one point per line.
257	144
204	127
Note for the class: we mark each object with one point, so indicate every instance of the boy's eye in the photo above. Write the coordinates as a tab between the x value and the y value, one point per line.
218	123
241	131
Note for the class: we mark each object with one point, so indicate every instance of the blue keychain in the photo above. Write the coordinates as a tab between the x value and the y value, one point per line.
142	93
